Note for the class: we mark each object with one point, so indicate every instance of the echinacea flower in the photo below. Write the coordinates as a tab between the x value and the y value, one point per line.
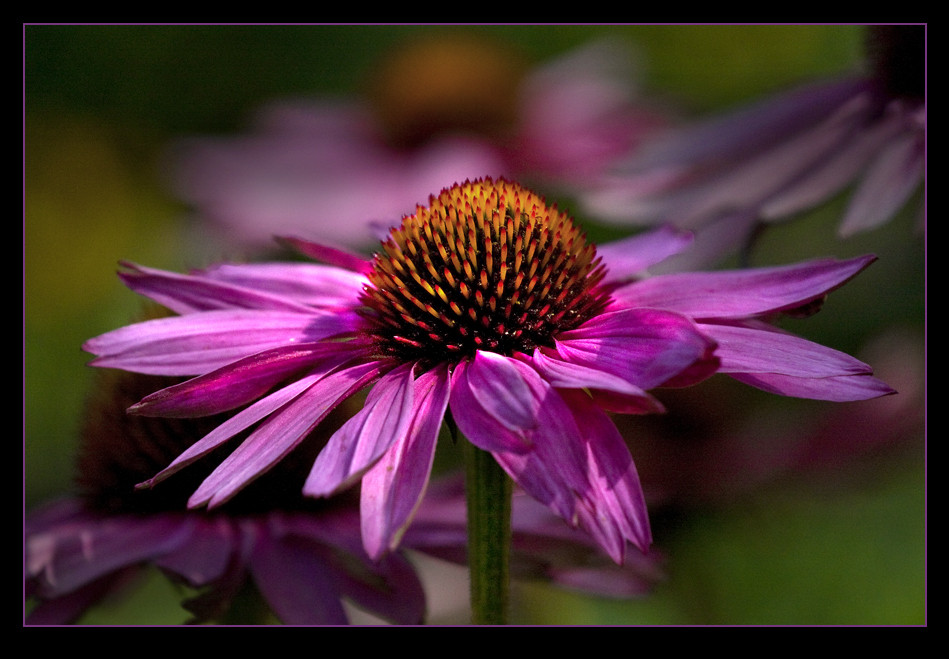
438	110
771	160
487	307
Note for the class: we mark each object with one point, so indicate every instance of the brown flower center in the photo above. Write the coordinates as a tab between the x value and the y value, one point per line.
487	266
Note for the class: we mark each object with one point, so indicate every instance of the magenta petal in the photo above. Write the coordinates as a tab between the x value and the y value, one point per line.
206	555
494	401
841	388
238	383
617	490
566	375
237	423
892	178
200	343
363	439
185	294
393	488
313	284
645	347
554	469
297	581
98	549
750	350
280	433
741	293
629	257
327	254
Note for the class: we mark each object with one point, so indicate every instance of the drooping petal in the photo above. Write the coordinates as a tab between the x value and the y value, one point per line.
388	587
645	347
620	392
751	350
101	547
559	471
200	343
617	490
841	388
362	440
299	583
834	173
237	423
554	470
240	382
281	432
892	178
394	487
741	293
629	257
493	402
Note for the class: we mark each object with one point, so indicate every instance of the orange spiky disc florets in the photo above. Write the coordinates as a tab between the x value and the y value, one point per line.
488	265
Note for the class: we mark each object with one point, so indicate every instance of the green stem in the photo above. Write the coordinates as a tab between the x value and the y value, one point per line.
489	536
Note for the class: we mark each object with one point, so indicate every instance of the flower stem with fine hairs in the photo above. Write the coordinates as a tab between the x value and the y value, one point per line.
488	490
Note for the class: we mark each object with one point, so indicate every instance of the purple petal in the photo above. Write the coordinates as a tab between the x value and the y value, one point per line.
238	383
393	488
202	342
326	254
281	433
185	294
750	350
70	560
892	178
617	492
237	423
837	171
554	469
838	389
363	439
312	284
567	375
752	127
205	557
297	581
388	587
645	347
494	401
741	293
629	257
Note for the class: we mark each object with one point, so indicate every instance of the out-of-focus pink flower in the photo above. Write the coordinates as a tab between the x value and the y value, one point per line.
441	111
768	161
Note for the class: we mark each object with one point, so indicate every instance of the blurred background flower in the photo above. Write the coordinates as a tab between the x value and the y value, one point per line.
434	111
103	104
730	175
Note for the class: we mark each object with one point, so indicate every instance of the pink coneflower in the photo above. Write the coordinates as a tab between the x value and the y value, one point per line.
487	307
